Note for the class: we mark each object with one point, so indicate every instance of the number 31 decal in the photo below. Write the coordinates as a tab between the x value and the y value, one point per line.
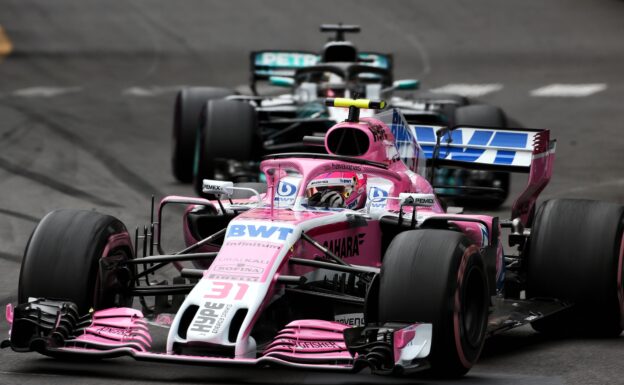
221	290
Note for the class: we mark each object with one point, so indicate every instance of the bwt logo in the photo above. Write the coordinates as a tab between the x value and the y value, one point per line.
262	231
286	189
377	193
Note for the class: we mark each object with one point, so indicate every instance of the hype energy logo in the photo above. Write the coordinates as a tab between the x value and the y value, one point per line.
258	232
377	197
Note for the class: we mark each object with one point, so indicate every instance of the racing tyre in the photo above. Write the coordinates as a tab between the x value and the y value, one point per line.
73	255
485	116
438	277
186	123
575	254
228	131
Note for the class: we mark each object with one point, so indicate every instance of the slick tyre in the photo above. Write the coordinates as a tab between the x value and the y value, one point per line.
575	254
482	115
186	123
73	255
229	131
437	277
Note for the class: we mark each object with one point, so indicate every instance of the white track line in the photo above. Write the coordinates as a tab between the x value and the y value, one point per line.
469	90
568	90
45	92
150	91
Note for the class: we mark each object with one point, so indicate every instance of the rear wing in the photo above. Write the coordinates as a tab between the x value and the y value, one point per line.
285	63
494	149
481	148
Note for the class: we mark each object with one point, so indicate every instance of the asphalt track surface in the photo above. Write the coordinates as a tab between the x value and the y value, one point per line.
98	135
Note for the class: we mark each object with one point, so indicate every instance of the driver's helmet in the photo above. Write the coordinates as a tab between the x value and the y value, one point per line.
337	190
332	86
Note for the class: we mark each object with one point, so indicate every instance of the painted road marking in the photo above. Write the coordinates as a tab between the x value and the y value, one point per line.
568	90
45	92
464	89
469	90
5	43
150	91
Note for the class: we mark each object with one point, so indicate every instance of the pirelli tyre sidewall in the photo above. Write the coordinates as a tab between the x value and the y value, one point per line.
74	255
438	277
229	132
186	124
575	255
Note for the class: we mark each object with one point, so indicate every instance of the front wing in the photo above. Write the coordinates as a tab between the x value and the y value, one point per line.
54	328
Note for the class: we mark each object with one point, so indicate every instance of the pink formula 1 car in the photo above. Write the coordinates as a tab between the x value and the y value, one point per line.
342	261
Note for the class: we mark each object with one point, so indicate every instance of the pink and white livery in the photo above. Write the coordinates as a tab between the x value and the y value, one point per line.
341	261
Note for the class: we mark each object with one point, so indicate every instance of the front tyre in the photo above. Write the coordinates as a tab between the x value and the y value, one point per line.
74	255
186	124
437	277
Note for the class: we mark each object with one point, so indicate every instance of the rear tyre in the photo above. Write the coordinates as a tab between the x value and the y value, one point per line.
186	122
575	254
229	130
73	255
445	278
482	115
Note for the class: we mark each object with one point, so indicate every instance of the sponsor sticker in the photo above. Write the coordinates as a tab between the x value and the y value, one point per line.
378	197
258	231
345	167
379	134
351	319
107	330
244	260
285	189
286	59
209	318
345	247
415	199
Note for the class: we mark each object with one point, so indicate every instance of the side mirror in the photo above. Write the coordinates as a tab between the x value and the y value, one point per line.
281	81
225	188
406	84
217	187
416	199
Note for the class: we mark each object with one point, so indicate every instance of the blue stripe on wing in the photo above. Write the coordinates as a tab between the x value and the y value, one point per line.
425	135
504	157
481	138
509	139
